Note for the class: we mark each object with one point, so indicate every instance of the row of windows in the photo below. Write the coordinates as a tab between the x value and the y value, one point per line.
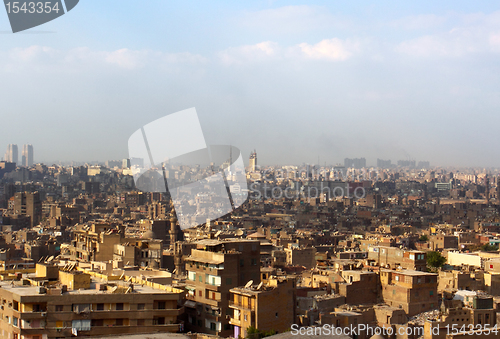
80	308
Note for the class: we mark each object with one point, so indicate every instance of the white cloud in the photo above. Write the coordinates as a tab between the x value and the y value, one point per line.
494	41
330	49
126	59
31	53
250	53
472	33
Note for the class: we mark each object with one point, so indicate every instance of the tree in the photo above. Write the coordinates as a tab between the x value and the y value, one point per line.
253	333
435	259
423	238
488	248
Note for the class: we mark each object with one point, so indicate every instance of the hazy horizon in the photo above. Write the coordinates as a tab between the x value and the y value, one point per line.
293	81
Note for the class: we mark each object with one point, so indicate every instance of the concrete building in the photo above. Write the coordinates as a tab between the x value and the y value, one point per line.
300	256
11	155
393	257
29	204
360	287
266	307
213	269
454	314
95	242
27	156
252	162
413	291
74	304
440	242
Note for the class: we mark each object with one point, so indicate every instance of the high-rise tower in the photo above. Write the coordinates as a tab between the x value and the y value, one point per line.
11	155
252	164
27	158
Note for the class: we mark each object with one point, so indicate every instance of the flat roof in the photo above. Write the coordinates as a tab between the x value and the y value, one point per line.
25	290
409	272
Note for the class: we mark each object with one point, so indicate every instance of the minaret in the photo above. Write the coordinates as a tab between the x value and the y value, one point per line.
173	232
487	183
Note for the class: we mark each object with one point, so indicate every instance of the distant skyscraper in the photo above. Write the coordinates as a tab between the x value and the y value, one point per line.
383	163
356	163
252	164
11	154
27	159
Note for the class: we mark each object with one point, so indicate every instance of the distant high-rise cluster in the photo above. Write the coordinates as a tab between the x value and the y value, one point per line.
384	163
27	157
252	163
11	154
357	163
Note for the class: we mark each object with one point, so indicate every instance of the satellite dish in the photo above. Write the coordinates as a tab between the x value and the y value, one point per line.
50	258
114	289
249	284
260	285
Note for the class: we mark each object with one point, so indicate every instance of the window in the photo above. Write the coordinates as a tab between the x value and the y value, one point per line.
431	293
119	306
100	307
199	293
276	314
191	276
16	306
159	321
141	306
254	262
15	321
161	305
119	322
97	322
229	281
200	278
81	308
242	262
81	325
59	308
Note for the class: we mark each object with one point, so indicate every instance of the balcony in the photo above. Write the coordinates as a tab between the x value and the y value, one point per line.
32	315
240	306
235	322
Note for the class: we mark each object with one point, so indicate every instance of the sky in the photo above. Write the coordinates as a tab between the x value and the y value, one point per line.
296	81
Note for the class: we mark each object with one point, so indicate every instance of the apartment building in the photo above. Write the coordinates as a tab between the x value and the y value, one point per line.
413	291
213	269
454	314
95	242
74	304
266	307
300	256
440	242
393	257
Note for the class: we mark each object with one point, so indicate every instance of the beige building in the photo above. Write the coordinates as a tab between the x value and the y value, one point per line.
213	269
413	291
300	256
266	307
39	307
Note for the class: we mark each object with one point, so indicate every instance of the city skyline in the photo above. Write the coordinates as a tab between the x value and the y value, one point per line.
293	81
